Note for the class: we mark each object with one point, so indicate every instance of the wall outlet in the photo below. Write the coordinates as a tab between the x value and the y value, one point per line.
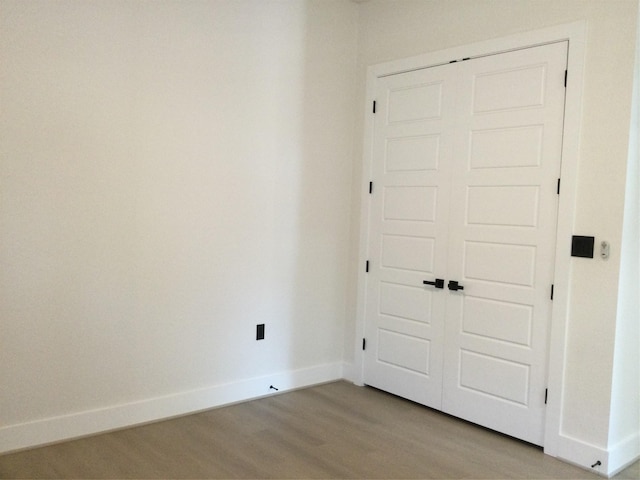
260	331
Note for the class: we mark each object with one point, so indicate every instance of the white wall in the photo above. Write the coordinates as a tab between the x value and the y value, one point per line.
391	30
172	174
624	432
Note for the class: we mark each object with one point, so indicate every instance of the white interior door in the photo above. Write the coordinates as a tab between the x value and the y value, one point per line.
465	169
408	236
502	238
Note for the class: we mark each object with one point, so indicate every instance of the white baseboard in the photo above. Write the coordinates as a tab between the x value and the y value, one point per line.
81	424
612	460
348	371
623	454
583	454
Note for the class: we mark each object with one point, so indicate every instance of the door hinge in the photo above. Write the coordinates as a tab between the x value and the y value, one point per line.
364	343
552	291
566	73
558	188
366	266
546	394
370	187
374	106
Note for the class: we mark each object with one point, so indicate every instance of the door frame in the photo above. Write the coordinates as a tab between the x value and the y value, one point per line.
575	34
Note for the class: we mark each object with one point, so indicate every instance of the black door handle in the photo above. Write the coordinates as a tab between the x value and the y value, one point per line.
439	283
453	285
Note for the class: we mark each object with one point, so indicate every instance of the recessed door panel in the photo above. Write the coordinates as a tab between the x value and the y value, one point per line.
416	102
404	301
412	154
495	377
502	321
410	203
403	351
503	263
509	89
506	205
506	147
407	253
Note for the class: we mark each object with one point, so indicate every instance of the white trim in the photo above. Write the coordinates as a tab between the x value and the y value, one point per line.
575	33
364	227
623	454
613	459
582	454
66	427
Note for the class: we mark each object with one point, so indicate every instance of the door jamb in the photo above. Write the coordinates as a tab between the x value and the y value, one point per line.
575	33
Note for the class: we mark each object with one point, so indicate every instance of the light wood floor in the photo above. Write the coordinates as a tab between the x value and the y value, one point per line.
336	430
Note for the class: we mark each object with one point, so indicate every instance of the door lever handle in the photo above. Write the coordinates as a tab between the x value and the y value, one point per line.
454	285
439	283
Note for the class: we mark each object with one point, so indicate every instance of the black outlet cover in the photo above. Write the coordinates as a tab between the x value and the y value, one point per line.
582	246
260	332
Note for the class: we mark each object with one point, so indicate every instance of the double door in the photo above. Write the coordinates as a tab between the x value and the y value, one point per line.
466	162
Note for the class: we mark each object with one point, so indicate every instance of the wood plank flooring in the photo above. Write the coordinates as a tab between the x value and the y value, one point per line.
335	430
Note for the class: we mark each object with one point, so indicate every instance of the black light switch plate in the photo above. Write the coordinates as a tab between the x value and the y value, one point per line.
582	246
260	332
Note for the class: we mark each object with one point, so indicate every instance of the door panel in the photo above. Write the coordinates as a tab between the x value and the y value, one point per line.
499	320
410	102
409	211
514	376
410	203
501	238
417	153
506	147
503	205
407	253
407	302
499	262
508	88
404	351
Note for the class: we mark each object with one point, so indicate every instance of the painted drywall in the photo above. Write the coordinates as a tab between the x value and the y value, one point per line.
171	174
624	431
398	29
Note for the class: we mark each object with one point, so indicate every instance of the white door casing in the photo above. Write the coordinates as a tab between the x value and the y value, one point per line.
465	161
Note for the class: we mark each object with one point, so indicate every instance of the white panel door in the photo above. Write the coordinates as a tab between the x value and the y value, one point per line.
466	158
408	245
502	238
